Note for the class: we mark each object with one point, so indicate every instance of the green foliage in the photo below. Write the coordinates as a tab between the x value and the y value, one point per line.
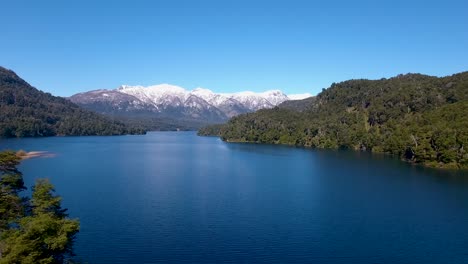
28	112
34	230
42	238
211	130
423	119
298	105
8	161
11	183
44	201
151	123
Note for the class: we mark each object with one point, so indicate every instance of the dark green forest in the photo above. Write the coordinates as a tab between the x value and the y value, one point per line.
423	119
32	229
28	112
151	123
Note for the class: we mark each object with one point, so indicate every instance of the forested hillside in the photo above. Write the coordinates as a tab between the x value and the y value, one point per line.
421	118
298	105
28	112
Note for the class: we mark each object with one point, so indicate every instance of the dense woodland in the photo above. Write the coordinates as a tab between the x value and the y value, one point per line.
423	119
32	229
152	123
28	112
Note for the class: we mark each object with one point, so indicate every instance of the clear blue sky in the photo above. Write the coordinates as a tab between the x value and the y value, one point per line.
65	47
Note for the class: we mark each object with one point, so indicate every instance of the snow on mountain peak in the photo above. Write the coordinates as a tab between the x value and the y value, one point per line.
275	96
164	95
202	90
203	93
273	92
299	96
157	95
166	87
155	88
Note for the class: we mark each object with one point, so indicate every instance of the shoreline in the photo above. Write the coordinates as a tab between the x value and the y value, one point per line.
34	154
425	164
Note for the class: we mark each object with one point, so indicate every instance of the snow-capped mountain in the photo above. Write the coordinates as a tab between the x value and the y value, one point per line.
165	100
162	95
110	101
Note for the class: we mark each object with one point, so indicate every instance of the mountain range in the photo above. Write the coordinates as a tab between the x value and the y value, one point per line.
199	106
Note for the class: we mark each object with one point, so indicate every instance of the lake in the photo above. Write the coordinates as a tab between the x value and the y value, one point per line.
175	197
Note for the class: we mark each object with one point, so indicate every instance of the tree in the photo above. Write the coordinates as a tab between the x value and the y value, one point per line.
8	161
422	119
41	234
11	184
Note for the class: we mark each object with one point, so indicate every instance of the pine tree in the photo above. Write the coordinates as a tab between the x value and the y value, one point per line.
35	230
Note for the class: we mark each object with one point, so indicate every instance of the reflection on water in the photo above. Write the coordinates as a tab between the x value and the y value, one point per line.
273	150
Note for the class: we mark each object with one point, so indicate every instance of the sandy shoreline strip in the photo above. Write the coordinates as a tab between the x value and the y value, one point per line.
35	154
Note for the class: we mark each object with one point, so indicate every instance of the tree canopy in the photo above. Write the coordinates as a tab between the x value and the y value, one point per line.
36	229
423	119
28	112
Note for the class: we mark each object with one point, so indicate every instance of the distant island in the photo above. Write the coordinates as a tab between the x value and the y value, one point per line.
28	112
423	119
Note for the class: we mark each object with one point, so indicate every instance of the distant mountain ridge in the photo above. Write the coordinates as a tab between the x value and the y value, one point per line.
170	101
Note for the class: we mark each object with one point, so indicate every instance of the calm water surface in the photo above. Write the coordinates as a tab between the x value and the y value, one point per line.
175	197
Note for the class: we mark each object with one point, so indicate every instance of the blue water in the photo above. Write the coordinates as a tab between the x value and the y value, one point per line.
175	197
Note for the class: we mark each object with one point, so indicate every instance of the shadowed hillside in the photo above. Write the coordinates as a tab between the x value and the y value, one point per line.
28	112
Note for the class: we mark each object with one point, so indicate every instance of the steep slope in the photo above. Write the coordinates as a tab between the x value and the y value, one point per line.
197	108
112	102
160	96
228	105
231	107
423	119
298	105
28	112
252	101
